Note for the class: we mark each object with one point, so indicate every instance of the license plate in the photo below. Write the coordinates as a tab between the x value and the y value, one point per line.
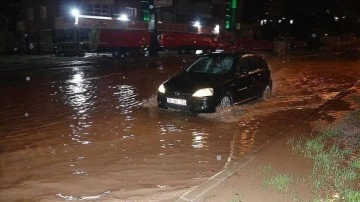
176	101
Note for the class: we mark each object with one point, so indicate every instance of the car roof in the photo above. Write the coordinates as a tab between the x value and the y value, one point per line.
222	54
236	54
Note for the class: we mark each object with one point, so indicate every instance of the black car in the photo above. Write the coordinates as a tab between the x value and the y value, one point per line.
216	80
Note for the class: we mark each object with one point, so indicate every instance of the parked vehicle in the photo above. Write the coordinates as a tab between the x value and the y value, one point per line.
123	42
126	38
253	45
69	50
187	42
216	80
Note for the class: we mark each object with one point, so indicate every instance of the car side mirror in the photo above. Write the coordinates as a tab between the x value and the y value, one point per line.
184	64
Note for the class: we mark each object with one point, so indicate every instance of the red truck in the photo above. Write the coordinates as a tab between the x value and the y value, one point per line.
135	42
125	38
187	42
123	42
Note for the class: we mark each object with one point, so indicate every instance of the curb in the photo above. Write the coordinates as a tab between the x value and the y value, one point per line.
212	182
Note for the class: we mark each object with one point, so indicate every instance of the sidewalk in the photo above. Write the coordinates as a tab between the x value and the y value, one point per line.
246	184
243	181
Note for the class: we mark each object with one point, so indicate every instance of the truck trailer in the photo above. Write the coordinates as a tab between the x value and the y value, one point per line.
126	38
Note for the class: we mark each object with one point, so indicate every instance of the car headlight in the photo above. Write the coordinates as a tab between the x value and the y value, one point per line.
161	88
203	92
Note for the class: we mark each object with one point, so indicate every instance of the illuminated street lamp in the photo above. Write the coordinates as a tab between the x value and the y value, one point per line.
197	24
123	17
75	12
217	29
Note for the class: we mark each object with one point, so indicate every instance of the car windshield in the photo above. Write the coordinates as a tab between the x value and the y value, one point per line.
212	65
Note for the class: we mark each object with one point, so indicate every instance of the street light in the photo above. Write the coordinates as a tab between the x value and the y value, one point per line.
197	24
123	17
75	12
217	29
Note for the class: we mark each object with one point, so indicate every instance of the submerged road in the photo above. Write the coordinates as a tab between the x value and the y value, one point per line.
92	131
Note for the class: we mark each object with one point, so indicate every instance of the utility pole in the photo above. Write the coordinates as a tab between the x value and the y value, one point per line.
38	23
153	46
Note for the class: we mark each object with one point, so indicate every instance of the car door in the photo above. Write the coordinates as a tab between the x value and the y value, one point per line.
260	74
243	82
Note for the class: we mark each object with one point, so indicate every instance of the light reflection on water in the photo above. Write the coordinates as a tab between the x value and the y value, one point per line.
82	93
164	129
243	141
199	139
126	97
79	95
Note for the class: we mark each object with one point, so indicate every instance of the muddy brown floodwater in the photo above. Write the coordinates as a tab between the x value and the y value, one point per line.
93	131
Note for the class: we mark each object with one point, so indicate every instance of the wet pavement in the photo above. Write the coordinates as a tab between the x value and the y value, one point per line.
92	131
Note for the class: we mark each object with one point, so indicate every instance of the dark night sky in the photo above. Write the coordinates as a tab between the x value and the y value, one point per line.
256	8
253	9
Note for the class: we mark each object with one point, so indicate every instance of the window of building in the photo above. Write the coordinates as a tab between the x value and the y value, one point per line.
97	9
131	12
62	10
89	9
30	13
105	10
111	10
43	12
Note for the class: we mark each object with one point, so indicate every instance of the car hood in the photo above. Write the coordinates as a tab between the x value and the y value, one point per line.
187	82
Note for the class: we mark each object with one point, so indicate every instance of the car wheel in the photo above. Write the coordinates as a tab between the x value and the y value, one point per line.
225	101
266	93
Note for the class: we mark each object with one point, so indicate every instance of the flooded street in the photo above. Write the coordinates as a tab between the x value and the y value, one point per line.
92	131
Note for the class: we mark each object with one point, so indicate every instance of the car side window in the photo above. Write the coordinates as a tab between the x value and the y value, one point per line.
253	64
243	66
199	66
219	65
263	64
228	63
257	64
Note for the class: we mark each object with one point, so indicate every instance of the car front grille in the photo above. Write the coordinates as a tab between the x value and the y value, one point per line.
178	94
